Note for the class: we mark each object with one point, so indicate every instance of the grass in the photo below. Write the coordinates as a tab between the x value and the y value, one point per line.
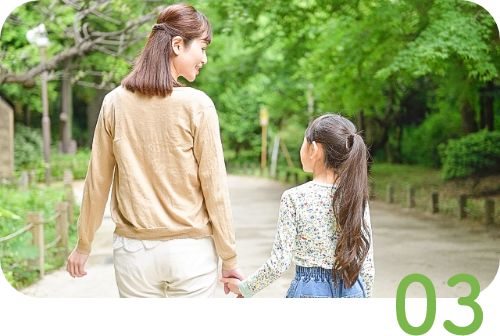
15	254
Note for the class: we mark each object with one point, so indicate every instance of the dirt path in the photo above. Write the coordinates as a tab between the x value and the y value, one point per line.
405	242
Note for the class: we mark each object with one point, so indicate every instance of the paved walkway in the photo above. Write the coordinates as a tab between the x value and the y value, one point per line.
405	242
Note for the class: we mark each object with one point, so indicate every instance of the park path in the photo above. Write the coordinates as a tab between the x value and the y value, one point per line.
404	242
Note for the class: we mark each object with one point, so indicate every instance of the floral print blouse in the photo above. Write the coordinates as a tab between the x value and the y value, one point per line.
306	234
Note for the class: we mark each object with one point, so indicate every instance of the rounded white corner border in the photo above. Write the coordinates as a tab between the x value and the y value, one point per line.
7	7
492	7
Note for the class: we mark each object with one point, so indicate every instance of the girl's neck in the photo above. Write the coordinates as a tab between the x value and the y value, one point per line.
323	175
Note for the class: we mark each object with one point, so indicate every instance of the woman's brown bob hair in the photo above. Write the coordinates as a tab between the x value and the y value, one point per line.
151	74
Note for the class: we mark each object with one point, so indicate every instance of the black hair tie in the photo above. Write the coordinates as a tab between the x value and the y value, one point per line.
349	141
166	28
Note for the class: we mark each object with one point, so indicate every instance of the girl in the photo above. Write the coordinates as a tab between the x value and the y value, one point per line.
159	143
323	225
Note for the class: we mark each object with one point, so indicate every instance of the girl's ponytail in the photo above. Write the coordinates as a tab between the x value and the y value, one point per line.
346	154
349	203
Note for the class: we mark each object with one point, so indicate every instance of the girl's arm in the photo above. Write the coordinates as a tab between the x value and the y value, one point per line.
368	269
281	254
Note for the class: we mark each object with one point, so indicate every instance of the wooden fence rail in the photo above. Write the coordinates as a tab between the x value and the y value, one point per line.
462	210
293	177
35	224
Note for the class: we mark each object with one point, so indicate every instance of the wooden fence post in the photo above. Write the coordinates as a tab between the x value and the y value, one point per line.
36	219
70	196
489	211
434	202
32	177
62	225
390	193
24	180
411	197
462	206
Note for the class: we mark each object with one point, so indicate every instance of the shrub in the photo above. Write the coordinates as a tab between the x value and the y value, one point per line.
477	154
15	204
420	144
27	147
77	163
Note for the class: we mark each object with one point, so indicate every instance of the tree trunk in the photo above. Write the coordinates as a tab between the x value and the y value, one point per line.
27	116
399	138
93	109
18	110
66	110
469	124
362	123
487	103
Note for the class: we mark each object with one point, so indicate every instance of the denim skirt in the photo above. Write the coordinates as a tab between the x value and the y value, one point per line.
317	282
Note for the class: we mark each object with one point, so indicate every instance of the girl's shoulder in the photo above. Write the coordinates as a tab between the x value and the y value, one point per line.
299	191
311	186
308	191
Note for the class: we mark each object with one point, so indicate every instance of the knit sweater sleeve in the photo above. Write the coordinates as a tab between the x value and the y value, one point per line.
281	254
212	174
98	179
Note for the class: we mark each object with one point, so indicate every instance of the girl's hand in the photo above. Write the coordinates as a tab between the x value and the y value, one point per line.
232	283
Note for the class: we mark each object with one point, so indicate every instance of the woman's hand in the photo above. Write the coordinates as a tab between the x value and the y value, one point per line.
232	284
234	273
76	264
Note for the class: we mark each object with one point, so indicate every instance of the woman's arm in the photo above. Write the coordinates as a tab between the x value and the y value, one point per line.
212	174
96	190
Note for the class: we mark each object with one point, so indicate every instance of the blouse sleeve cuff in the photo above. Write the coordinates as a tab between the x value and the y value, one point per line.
245	291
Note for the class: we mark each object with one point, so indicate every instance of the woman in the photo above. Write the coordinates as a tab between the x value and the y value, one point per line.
159	143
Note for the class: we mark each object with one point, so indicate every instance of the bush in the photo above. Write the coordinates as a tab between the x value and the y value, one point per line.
15	204
476	154
27	148
77	163
420	144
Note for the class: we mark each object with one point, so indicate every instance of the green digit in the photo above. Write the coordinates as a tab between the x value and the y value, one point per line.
430	313
466	301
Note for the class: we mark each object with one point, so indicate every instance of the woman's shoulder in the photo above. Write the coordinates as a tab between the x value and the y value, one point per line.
192	95
184	94
113	94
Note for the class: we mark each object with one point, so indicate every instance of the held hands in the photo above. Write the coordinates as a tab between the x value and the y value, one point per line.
76	264
234	277
232	284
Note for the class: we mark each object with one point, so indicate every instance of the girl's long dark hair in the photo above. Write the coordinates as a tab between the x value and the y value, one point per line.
151	74
345	153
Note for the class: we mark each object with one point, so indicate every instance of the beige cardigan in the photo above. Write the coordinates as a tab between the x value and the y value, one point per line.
164	157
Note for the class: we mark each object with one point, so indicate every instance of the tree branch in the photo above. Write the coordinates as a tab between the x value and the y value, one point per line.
83	45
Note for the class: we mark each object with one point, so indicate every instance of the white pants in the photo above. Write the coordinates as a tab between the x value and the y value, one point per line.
165	268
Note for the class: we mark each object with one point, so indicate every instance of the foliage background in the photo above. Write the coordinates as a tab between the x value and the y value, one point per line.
420	78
